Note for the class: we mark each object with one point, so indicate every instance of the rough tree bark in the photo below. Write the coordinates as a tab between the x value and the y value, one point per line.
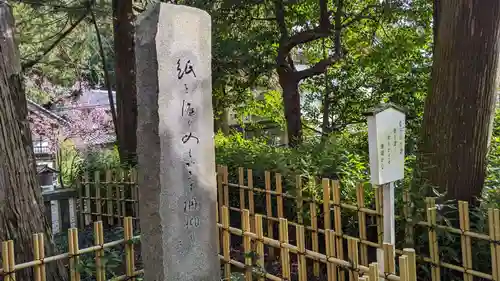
458	109
126	94
21	206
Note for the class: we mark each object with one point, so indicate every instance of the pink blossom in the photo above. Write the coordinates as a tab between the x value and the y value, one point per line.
83	125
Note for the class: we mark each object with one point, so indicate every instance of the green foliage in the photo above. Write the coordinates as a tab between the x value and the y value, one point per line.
54	64
70	162
114	257
101	159
268	106
73	163
491	190
312	160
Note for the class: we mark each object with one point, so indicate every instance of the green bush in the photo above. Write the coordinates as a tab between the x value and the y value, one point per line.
312	159
491	196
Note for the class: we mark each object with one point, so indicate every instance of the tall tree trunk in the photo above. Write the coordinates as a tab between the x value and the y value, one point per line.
291	102
435	21
126	94
21	206
458	109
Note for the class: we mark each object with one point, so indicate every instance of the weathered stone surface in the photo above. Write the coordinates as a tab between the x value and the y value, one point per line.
175	144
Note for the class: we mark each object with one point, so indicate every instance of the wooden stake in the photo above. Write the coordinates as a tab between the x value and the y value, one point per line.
433	243
226	243
251	203
269	212
99	254
301	245
352	251
403	268
285	252
74	259
241	185
247	247
98	200
300	201
412	264
338	222
259	231
463	211
326	203
389	266
360	197
109	197
314	236
279	195
129	248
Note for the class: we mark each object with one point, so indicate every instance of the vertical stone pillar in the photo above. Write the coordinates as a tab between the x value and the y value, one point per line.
177	180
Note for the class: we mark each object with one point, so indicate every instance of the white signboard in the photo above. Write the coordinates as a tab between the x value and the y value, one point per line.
386	140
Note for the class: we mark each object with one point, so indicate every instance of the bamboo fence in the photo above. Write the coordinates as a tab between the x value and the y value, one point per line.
115	194
257	240
9	266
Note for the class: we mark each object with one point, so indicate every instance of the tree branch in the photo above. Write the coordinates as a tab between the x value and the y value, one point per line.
360	16
303	37
280	18
338	27
318	68
33	62
106	75
263	19
314	130
324	19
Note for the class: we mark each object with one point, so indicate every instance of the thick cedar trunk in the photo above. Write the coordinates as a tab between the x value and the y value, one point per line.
126	94
291	102
458	109
21	206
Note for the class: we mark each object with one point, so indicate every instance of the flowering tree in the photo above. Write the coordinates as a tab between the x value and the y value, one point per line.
78	122
83	125
86	124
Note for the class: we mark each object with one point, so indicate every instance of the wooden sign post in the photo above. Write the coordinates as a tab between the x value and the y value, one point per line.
386	141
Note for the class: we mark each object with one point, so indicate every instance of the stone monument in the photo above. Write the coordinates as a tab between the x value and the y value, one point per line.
177	179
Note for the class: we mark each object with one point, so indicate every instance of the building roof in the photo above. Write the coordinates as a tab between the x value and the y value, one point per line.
33	106
93	98
383	106
40	169
102	139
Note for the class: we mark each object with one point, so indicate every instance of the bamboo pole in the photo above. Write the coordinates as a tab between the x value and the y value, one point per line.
314	236
259	231
226	243
99	254
129	248
269	212
463	211
285	252
360	197
301	245
247	247
251	203
74	259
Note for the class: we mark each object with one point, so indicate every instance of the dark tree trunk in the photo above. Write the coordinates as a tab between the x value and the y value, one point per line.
126	94
458	109
435	21
291	101
325	125
22	212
